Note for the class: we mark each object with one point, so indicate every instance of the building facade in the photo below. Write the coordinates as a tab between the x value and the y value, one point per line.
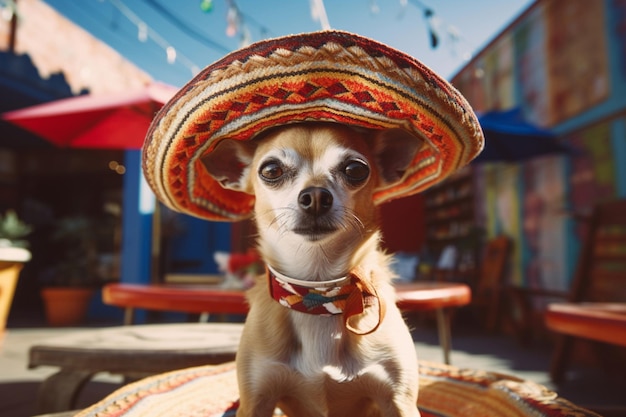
563	63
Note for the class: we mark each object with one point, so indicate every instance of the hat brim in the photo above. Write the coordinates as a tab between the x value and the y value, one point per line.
322	76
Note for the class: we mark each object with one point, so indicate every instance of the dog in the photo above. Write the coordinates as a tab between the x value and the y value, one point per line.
318	229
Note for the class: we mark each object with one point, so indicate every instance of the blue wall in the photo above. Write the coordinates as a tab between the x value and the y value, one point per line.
136	223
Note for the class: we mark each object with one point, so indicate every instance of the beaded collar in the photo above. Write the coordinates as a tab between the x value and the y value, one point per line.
349	295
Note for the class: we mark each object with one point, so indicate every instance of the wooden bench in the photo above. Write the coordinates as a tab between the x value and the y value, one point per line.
596	308
132	351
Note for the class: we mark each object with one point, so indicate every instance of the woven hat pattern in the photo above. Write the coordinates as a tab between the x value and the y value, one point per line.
323	76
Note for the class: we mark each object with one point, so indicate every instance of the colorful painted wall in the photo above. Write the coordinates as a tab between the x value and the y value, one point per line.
564	63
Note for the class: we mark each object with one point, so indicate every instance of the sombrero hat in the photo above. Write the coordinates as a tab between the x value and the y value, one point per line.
322	76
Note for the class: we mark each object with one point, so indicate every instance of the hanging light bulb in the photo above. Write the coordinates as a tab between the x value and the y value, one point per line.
206	6
232	21
454	34
402	12
374	9
171	54
246	37
142	32
454	37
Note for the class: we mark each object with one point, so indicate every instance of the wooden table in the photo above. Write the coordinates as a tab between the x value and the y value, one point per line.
604	322
417	296
183	298
132	351
136	351
438	296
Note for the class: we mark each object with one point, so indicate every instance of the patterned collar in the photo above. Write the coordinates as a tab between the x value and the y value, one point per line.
349	295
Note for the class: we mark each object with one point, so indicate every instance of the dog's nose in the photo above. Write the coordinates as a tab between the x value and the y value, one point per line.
315	200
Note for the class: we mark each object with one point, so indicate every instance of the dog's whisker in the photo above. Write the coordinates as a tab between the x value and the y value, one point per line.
353	216
352	220
278	214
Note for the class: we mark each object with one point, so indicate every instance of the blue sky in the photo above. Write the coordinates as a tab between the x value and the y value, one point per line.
199	37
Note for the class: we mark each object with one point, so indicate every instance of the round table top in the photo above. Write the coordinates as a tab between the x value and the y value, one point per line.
429	295
183	298
605	322
160	347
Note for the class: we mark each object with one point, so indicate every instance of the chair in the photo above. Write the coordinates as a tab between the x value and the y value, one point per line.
487	296
447	267
596	307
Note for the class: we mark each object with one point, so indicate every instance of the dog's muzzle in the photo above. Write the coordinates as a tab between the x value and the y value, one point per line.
315	201
315	205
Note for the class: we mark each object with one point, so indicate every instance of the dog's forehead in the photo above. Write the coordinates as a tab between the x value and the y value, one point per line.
323	143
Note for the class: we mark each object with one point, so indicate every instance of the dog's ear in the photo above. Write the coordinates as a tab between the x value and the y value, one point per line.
229	162
395	149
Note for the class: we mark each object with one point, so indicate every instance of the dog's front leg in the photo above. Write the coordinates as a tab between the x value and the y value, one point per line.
258	407
276	385
400	406
255	400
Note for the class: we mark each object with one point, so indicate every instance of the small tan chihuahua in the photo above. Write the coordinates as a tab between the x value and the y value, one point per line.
323	336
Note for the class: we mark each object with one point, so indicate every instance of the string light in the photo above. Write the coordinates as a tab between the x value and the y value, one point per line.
187	28
171	54
374	9
206	6
232	19
236	24
142	32
145	32
434	24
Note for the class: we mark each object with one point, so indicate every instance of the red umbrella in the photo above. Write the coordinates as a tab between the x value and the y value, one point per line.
107	121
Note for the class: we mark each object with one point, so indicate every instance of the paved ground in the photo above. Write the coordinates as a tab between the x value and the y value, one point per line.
472	349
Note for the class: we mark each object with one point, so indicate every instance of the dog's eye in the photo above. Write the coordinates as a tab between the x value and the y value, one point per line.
271	171
356	171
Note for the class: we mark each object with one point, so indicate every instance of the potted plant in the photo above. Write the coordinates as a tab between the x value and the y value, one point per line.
13	231
13	254
69	284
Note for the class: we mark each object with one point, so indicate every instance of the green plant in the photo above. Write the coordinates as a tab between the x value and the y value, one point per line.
74	241
13	230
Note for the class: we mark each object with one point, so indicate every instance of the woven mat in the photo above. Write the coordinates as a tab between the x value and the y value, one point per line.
445	391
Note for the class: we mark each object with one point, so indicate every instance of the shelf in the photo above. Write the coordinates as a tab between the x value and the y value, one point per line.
450	212
450	202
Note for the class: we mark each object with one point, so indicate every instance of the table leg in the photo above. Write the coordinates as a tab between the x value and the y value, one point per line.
443	327
129	316
59	391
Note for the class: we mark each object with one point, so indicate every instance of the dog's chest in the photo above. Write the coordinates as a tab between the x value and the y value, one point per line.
327	351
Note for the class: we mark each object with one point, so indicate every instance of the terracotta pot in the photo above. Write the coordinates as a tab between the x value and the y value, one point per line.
9	273
66	306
